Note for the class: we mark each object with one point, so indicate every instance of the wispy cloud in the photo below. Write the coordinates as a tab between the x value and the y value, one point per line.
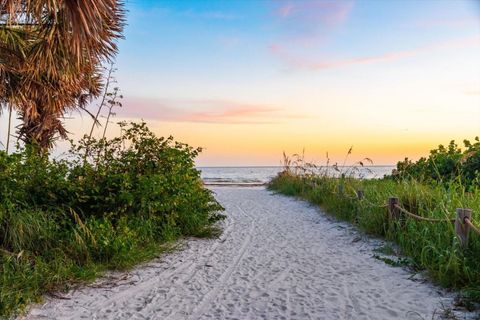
136	107
203	111
307	20
302	63
320	12
231	112
306	26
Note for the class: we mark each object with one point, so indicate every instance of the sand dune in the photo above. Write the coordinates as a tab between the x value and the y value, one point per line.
278	258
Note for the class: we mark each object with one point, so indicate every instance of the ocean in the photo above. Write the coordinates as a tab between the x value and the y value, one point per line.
261	175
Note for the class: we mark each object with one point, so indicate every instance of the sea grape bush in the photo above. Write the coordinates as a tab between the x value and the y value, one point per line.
445	164
138	173
108	204
135	174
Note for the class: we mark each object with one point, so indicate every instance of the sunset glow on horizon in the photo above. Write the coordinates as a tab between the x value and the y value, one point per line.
247	80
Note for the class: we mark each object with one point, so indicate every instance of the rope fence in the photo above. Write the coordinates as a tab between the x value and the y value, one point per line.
463	221
474	228
420	218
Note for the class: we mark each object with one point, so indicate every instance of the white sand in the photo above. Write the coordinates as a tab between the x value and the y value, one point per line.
278	258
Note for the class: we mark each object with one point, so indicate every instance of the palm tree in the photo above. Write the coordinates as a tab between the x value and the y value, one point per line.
51	52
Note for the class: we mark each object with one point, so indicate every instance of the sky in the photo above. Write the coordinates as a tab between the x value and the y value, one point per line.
249	79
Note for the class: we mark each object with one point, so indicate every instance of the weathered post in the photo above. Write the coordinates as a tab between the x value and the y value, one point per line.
461	228
393	211
360	194
341	189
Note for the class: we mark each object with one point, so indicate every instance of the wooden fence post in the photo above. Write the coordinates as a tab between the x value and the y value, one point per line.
461	228
392	210
360	194
340	189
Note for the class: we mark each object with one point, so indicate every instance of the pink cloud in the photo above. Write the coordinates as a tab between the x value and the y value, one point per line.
301	63
202	111
136	107
285	10
232	113
323	13
307	22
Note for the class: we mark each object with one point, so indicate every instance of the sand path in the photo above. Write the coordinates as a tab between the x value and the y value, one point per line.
278	258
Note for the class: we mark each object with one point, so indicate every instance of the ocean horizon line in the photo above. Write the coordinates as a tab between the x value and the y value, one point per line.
280	166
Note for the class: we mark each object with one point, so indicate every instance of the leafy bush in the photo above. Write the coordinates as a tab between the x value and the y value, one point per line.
108	204
445	164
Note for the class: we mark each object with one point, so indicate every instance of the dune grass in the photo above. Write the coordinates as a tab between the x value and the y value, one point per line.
431	246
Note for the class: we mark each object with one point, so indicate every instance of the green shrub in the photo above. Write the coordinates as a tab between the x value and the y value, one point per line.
445	164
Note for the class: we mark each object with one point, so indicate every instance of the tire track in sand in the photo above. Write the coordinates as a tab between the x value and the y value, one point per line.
198	311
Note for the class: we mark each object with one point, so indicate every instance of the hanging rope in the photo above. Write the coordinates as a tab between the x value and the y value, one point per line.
420	218
474	228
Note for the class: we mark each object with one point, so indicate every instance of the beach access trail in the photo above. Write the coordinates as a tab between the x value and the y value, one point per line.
278	258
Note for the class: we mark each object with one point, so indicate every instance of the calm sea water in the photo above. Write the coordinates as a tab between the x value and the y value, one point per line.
261	175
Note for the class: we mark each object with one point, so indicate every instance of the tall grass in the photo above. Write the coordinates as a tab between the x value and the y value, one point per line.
433	247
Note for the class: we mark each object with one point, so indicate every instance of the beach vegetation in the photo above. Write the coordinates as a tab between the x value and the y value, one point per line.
444	165
432	187
108	204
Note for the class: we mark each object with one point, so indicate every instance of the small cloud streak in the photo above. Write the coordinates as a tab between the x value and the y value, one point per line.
230	112
298	62
314	14
307	22
285	10
203	111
